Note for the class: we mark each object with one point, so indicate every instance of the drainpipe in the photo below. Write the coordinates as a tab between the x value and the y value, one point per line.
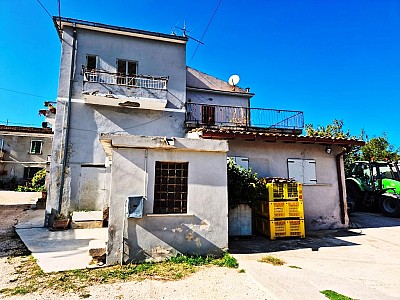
340	184
65	152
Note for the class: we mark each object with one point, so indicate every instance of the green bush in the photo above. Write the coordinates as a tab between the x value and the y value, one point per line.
244	187
37	183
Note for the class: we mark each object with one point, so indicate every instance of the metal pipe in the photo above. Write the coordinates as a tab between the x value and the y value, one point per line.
65	152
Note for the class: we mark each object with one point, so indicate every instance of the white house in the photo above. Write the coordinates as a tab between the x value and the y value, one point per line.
23	152
143	135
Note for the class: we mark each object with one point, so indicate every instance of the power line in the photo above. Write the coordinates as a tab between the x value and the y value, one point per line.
23	93
9	122
205	31
45	9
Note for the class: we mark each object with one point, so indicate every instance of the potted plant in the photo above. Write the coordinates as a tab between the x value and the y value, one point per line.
60	221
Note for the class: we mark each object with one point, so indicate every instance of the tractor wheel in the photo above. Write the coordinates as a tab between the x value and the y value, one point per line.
389	206
354	196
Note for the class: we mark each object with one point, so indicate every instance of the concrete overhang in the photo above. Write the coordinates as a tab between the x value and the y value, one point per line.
110	141
123	101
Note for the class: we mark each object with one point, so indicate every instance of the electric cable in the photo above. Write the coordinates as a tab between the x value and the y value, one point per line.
45	9
205	31
23	93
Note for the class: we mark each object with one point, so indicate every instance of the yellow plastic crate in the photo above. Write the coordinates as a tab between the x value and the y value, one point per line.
287	209
284	191
280	228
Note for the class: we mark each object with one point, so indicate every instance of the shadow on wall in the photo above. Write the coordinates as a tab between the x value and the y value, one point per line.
160	237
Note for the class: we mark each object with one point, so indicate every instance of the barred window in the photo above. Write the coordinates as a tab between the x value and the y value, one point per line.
170	188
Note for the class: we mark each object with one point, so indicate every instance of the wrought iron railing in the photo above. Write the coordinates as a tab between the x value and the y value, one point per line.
232	116
139	81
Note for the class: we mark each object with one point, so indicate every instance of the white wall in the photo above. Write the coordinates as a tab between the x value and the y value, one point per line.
154	57
203	230
321	200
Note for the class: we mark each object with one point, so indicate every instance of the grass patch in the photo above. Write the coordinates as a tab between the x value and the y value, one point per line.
32	279
242	271
335	296
272	260
294	267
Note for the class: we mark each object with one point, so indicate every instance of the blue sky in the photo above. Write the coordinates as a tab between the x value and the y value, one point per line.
330	59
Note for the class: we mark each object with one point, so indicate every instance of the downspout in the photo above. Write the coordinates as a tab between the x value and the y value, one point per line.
65	152
340	184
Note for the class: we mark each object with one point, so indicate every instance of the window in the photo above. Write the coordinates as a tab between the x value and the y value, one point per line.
126	72
241	161
91	62
208	114
170	187
29	172
302	170
36	147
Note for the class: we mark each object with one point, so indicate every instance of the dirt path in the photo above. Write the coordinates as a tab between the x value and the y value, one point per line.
10	243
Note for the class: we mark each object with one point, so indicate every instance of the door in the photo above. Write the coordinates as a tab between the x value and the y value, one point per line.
92	188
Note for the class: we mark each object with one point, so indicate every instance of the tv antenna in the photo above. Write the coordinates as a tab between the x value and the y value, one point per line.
185	31
233	81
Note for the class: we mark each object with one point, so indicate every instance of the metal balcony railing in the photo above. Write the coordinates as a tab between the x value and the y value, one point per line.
232	116
139	81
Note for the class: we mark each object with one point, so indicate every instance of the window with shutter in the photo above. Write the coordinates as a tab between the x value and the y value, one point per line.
302	170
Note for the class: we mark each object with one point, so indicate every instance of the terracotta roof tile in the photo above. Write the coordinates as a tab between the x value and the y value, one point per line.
274	137
25	129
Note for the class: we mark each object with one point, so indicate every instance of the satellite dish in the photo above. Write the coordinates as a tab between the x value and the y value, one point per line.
234	80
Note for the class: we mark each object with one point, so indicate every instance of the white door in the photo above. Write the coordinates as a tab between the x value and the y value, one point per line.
92	188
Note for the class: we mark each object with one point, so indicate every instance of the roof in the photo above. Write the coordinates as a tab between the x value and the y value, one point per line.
60	22
276	137
201	81
26	129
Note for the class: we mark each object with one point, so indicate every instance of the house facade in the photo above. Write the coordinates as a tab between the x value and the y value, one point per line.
23	152
141	135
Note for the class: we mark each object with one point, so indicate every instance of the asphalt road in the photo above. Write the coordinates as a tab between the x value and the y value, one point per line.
361	263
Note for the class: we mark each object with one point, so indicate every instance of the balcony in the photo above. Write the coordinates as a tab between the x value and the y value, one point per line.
141	91
244	118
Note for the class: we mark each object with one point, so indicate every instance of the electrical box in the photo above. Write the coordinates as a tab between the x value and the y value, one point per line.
134	207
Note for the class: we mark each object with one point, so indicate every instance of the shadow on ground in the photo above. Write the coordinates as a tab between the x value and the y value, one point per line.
314	240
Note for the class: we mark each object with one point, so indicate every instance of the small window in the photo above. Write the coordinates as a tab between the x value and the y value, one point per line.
127	71
36	147
170	187
302	170
91	62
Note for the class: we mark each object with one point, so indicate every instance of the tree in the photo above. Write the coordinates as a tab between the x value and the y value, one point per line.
379	148
334	130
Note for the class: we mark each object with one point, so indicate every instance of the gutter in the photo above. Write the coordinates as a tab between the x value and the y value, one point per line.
340	185
65	152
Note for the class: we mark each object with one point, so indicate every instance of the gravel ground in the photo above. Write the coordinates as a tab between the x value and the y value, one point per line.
208	283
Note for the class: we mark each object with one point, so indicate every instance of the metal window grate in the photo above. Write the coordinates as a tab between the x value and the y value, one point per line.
170	188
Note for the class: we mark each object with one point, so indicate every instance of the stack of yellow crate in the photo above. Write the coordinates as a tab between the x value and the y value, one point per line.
282	213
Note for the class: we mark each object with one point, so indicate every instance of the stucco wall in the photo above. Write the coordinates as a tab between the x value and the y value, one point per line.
321	200
201	97
155	58
203	230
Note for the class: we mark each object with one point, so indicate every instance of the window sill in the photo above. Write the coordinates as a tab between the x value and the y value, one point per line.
169	215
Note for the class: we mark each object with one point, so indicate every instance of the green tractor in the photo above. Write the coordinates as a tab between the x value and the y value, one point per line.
374	185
